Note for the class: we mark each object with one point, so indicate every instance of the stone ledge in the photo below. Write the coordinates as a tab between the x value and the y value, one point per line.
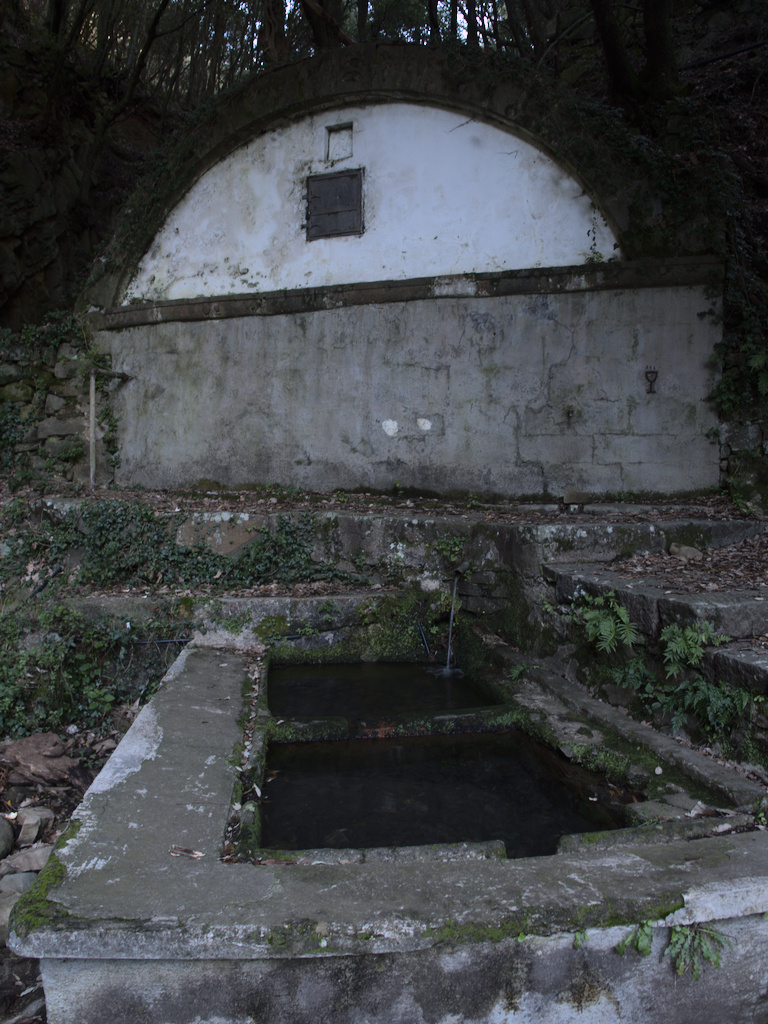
671	273
651	606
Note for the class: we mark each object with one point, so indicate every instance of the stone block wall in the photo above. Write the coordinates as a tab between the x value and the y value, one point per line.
44	407
744	460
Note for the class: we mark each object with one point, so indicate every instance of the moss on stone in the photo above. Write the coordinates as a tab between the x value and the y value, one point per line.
297	938
517	622
516	927
387	630
272	626
35	910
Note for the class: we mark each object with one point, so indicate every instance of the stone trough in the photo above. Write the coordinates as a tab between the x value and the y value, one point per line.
137	917
141	920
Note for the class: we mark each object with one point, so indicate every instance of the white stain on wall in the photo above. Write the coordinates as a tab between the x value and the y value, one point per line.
442	195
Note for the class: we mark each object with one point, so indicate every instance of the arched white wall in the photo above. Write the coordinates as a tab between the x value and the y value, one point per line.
442	194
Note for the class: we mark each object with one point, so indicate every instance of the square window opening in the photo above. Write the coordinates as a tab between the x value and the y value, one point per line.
338	142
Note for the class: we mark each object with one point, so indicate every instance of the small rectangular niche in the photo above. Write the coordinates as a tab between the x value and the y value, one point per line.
335	204
338	142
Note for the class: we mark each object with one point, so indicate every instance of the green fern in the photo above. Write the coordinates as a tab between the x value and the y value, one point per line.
715	705
607	622
684	646
641	940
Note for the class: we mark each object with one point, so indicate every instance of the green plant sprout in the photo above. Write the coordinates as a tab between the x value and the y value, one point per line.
691	946
515	673
450	547
684	646
641	940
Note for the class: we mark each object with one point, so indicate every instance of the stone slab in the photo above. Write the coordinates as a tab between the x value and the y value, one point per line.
733	787
740	665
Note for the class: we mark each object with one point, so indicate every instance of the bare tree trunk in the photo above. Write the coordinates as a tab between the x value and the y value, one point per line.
661	69
272	43
324	18
58	11
622	78
535	30
104	34
517	33
472	37
362	21
495	24
434	22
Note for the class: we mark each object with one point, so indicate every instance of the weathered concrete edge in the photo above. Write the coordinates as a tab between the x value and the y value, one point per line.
704	770
522	547
671	273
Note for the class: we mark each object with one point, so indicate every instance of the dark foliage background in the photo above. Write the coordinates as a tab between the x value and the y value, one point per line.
90	89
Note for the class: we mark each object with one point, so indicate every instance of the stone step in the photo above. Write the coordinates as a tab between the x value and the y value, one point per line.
651	606
741	615
576	719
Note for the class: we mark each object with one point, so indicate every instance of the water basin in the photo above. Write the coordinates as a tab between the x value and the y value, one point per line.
414	791
367	691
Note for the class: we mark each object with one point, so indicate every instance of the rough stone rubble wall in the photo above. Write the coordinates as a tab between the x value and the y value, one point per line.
48	399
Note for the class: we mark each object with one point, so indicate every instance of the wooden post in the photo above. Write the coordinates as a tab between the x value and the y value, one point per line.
92	429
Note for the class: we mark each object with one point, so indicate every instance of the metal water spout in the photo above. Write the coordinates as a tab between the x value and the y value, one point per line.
457	572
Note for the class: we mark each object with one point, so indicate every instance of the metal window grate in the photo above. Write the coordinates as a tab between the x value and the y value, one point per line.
335	204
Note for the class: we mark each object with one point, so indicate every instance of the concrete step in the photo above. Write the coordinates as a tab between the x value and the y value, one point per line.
737	613
742	615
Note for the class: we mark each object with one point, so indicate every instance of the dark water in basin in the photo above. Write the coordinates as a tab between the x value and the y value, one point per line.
423	790
367	691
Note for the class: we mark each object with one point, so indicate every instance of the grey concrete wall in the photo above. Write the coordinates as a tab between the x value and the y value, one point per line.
528	393
541	980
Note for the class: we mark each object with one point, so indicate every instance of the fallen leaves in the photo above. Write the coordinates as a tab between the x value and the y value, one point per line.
741	567
184	851
42	759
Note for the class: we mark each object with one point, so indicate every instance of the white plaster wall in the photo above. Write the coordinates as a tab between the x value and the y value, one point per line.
442	194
